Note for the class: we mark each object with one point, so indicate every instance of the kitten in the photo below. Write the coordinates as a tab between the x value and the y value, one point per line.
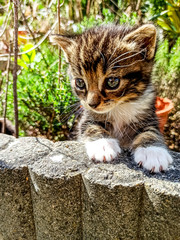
111	74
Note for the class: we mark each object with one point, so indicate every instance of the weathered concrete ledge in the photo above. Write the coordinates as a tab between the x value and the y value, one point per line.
51	191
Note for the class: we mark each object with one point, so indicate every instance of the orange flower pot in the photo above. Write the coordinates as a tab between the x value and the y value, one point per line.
163	108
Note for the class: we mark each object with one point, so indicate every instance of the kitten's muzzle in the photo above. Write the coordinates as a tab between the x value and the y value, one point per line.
93	99
93	105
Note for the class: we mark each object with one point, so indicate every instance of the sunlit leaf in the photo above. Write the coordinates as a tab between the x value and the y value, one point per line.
169	20
174	16
2	18
164	24
28	57
158	15
21	63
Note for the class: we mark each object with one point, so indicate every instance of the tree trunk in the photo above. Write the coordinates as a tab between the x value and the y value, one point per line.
15	66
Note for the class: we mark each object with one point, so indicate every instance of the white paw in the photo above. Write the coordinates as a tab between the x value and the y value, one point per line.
103	150
155	159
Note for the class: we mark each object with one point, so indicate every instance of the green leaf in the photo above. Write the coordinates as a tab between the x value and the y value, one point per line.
174	17
28	57
158	15
164	23
21	63
2	18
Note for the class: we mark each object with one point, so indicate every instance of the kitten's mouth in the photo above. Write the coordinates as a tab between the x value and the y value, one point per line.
100	109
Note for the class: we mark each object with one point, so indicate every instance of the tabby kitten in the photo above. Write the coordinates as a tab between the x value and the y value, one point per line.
111	74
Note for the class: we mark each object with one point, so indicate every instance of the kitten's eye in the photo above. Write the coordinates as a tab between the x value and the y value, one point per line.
112	82
80	83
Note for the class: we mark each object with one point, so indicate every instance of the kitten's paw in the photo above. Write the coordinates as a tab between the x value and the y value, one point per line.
103	150
155	159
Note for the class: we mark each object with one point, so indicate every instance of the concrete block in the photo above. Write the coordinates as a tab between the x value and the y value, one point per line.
56	193
112	199
51	191
16	212
153	201
161	210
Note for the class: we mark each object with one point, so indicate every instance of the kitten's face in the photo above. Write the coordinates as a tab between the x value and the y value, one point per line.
109	65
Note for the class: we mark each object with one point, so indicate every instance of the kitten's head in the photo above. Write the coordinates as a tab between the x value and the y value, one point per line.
110	64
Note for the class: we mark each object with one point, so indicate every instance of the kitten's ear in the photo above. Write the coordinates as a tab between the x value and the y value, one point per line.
145	36
65	42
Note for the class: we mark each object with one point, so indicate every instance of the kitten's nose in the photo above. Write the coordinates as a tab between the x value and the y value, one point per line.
93	99
93	105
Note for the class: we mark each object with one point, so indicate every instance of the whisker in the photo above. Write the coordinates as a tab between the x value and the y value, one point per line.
104	61
121	56
124	132
68	115
133	55
122	93
77	114
128	64
112	54
62	107
70	106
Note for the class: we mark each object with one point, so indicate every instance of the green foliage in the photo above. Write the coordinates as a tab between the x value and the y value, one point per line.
128	19
162	56
174	61
2	19
107	17
42	103
94	21
169	19
168	61
28	57
153	7
166	72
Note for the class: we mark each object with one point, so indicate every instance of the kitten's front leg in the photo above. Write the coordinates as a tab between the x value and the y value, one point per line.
150	151
103	150
99	145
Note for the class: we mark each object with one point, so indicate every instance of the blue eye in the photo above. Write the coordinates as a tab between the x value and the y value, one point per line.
112	82
80	83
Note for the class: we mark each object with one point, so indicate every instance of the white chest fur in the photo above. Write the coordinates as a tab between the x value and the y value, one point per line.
125	113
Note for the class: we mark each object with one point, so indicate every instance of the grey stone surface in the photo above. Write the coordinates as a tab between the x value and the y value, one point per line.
16	212
51	191
56	193
5	140
161	210
122	201
112	197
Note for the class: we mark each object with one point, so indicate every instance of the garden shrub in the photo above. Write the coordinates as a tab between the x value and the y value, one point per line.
166	73
42	103
166	77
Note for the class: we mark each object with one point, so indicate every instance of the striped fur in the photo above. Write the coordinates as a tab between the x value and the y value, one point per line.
104	55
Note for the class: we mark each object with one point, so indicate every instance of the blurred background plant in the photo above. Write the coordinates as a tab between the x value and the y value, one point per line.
169	19
166	77
46	104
